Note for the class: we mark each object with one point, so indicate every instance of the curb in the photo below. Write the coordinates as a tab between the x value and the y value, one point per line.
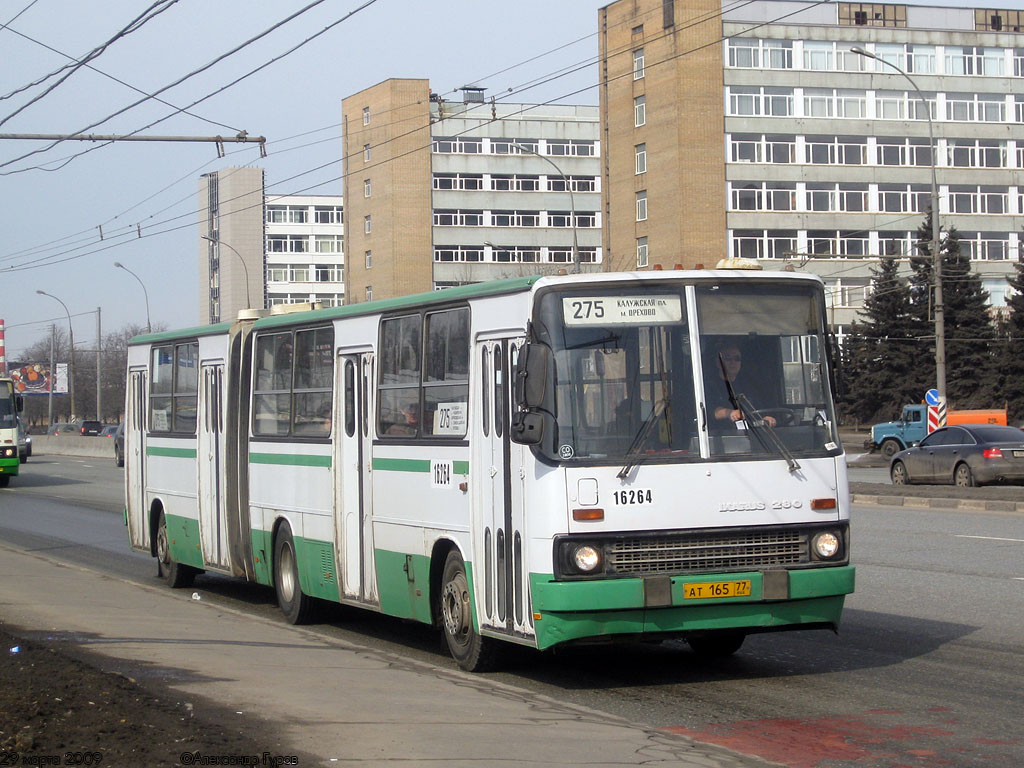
921	502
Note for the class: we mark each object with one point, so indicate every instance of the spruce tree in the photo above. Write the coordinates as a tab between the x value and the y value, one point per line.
881	372
969	330
1010	350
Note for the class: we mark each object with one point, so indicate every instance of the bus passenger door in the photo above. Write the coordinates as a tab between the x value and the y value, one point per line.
500	538
353	523
212	521
135	459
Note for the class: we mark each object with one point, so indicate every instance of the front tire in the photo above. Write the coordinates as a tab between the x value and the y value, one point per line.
296	606
889	448
170	570
4	481
963	477
899	475
716	644
118	457
470	650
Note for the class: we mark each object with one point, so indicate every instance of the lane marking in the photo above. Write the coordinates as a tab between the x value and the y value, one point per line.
985	538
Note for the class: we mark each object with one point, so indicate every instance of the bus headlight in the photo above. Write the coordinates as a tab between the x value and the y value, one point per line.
586	558
826	545
8	452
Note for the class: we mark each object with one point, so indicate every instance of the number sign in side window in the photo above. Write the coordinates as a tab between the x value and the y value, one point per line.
399	383
272	392
446	374
161	380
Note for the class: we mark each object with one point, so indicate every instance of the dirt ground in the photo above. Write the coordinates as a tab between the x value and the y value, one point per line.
59	707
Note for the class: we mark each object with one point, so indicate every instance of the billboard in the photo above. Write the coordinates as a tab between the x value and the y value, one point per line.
37	379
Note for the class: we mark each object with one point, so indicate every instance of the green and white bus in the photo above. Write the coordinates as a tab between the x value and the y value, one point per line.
533	460
10	405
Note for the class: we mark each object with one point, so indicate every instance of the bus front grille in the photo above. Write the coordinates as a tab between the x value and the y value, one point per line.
729	551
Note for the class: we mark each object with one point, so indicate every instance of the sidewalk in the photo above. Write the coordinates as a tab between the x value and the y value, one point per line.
342	702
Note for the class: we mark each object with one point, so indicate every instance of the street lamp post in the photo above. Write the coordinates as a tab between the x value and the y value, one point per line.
940	322
119	265
71	352
245	268
572	201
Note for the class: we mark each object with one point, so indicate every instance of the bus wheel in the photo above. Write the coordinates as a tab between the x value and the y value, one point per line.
4	480
296	606
174	573
716	645
472	652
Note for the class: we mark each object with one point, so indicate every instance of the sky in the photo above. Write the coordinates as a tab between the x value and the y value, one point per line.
67	216
142	195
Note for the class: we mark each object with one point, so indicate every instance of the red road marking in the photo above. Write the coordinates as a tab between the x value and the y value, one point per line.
872	739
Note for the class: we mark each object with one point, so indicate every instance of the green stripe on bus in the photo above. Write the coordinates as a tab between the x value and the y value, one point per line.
174	453
402	465
416	465
290	459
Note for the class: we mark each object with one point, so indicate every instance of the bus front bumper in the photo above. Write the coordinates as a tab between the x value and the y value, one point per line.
576	610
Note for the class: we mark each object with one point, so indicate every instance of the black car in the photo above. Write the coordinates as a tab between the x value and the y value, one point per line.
89	428
964	455
119	445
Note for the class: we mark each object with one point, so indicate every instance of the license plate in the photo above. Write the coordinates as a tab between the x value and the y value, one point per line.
1018	454
710	589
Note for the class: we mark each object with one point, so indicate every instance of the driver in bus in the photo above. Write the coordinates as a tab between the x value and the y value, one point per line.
726	362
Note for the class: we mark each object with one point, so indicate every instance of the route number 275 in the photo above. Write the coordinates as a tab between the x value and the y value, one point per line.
587	310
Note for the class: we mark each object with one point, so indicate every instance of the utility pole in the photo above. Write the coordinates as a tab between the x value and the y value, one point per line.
53	379
99	369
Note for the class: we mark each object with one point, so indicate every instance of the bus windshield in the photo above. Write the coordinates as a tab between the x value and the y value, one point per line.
8	411
635	375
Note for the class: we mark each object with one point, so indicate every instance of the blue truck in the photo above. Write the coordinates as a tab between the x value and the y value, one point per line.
892	436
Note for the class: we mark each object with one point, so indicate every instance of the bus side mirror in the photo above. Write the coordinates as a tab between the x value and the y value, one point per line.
527	428
532	375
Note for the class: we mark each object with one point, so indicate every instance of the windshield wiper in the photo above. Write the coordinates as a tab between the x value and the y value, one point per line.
758	425
633	455
761	427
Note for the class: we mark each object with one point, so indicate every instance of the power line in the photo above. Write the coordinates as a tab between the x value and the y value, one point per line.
182	79
137	23
116	80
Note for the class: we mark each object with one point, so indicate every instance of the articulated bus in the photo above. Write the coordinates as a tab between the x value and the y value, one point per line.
543	461
10	404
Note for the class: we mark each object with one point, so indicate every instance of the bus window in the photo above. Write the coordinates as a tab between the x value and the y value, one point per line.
314	372
350	398
399	376
272	396
446	373
174	387
486	393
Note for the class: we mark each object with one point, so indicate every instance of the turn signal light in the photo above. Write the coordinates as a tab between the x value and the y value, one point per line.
823	503
588	514
992	453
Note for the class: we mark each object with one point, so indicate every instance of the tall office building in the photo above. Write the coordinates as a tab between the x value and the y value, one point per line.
755	130
231	264
441	193
258	250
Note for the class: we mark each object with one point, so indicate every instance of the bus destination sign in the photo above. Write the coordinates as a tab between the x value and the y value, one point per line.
622	310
